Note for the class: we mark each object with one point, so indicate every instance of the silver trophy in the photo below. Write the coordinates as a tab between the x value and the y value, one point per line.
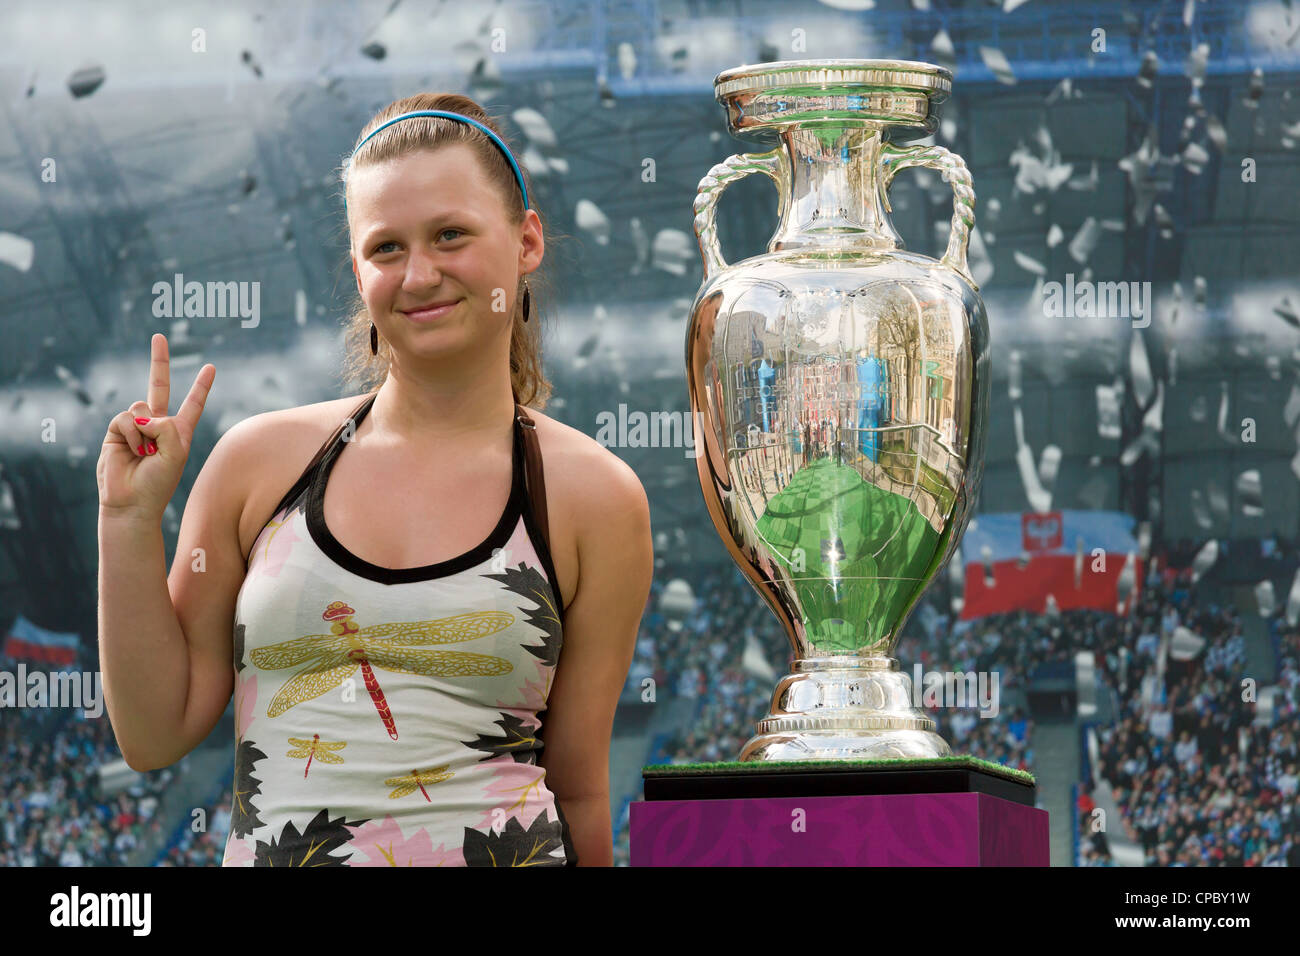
839	386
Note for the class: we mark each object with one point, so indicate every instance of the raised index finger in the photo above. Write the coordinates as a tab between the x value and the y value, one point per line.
160	376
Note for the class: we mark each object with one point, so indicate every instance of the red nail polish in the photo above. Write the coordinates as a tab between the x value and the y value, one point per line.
139	449
142	421
151	447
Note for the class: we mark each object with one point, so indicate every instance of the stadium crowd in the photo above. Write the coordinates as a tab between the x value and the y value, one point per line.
51	809
1198	782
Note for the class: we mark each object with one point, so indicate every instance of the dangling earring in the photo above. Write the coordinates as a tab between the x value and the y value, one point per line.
374	339
527	300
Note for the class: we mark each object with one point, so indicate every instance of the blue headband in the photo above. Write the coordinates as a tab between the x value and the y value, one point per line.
455	116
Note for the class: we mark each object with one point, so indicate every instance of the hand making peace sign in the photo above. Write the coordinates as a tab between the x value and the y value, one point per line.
145	451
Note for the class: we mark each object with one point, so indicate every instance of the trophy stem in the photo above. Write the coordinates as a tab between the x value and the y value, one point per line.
844	707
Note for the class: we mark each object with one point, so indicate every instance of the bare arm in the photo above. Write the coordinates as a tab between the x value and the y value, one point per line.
165	645
616	563
142	649
166	641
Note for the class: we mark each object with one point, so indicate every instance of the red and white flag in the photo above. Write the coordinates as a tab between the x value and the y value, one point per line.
26	641
1014	561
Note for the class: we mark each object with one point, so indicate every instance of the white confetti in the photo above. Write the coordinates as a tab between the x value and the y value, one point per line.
1034	173
534	161
941	46
1218	500
1086	183
1205	559
589	218
1196	63
1028	264
1146	441
1195	157
1223	411
17	251
1291	411
1085	240
671	250
1264	598
997	63
978	259
535	127
1250	493
1293	600
626	60
1256	89
1200	511
1049	465
1185	644
1127	578
641	243
1218	135
1149	68
1040	499
1062	90
1140	368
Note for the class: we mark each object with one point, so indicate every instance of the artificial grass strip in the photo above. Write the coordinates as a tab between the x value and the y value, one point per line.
954	762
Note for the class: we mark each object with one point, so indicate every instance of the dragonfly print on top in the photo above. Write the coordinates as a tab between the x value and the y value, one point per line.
393	717
332	659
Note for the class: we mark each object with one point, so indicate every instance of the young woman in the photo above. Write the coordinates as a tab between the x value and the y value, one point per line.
408	597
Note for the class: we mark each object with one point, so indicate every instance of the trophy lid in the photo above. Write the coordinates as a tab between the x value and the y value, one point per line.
764	97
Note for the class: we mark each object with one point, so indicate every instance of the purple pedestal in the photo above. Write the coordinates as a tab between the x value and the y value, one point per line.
915	829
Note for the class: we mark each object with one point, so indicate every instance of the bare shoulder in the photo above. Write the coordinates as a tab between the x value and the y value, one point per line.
295	434
589	478
300	419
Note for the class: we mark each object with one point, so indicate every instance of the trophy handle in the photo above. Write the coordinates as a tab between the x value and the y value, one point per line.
736	166
953	167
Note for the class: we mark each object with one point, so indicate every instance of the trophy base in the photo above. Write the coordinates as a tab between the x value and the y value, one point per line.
842	745
844	708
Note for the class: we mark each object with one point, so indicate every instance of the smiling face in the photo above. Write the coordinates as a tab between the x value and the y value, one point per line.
430	227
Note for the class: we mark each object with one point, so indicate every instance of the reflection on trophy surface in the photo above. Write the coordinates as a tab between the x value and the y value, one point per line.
841	390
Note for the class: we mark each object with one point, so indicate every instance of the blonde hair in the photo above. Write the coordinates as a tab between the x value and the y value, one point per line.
528	381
